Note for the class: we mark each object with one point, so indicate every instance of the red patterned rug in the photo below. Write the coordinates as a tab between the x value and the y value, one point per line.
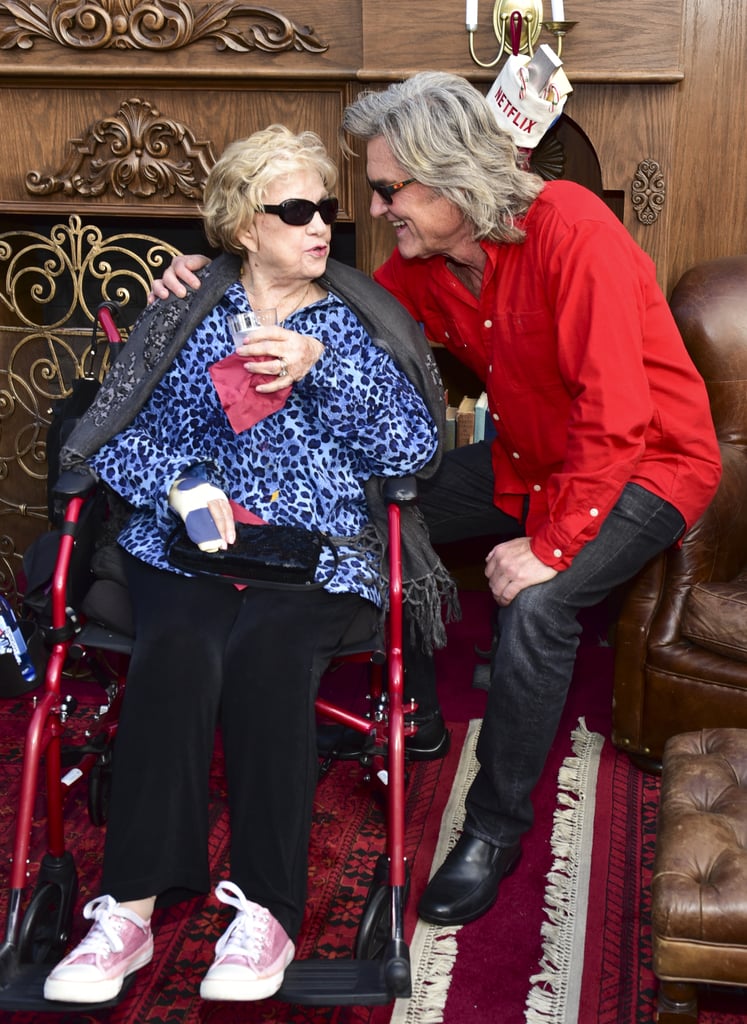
347	837
612	933
619	986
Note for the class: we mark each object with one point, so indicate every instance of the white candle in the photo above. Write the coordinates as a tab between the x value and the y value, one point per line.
471	15
558	14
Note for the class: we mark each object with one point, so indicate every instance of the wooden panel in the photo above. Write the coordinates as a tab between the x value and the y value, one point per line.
53	119
627	125
202	39
631	41
375	39
709	184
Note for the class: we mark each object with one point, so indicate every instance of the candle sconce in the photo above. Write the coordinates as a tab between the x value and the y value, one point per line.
560	30
517	25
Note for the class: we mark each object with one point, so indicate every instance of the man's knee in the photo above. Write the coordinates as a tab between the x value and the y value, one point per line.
537	609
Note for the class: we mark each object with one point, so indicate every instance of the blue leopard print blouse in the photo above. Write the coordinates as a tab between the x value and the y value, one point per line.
354	415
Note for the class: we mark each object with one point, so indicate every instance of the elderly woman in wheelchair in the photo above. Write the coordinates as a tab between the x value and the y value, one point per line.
297	427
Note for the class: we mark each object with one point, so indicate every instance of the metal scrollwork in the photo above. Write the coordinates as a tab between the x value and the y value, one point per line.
648	191
50	288
147	25
136	151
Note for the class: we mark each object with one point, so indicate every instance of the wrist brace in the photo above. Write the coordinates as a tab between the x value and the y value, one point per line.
189	498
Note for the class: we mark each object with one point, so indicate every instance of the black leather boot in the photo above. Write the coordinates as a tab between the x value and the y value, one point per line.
431	741
466	884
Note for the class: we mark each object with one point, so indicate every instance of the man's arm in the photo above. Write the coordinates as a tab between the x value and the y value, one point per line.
180	272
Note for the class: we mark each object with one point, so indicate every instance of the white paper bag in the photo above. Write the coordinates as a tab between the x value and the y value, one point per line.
518	108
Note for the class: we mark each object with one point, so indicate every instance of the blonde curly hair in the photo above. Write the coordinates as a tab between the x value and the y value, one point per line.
238	181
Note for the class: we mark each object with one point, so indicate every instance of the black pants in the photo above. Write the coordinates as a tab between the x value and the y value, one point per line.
457	502
532	664
249	661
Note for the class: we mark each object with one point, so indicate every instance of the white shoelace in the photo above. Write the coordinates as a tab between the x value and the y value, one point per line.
103	937
248	930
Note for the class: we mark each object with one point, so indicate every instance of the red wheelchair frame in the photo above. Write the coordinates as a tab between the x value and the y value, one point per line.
36	937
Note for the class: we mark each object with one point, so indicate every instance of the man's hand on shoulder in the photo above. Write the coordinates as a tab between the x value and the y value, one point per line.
180	273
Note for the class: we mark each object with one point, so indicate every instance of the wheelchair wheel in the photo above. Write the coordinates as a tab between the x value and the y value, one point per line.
99	791
374	931
46	925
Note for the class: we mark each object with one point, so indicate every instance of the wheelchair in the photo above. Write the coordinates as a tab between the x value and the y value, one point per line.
38	925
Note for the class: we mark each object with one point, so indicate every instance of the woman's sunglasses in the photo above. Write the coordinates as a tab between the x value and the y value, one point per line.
301	211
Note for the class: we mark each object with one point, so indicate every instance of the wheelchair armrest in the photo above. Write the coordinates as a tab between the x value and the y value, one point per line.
400	490
76	482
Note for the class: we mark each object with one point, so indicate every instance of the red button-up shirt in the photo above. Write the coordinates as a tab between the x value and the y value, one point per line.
589	383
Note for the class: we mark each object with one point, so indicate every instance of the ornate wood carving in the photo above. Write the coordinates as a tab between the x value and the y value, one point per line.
136	151
648	191
150	25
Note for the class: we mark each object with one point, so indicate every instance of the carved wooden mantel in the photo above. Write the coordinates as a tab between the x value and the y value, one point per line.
147	92
167	25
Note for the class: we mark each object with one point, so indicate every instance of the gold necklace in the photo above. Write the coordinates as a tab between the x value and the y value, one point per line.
296	308
287	315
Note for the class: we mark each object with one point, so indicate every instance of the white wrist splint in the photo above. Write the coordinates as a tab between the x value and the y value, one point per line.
189	498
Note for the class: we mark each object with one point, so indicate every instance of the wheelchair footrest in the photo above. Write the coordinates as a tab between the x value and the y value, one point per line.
345	982
25	991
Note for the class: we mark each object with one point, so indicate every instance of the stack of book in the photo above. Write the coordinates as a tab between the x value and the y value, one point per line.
466	423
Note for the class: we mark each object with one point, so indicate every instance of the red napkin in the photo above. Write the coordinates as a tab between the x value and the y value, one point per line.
237	390
245	515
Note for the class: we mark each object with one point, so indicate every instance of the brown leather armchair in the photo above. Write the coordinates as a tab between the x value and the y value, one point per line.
681	638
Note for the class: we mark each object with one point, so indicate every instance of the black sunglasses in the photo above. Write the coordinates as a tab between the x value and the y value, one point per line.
387	191
301	211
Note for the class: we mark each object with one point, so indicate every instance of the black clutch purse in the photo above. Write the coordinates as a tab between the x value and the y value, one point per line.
265	555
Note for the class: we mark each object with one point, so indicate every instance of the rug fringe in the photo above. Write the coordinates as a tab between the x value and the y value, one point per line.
553	998
435	965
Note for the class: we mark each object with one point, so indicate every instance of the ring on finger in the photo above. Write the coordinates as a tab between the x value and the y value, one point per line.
283	371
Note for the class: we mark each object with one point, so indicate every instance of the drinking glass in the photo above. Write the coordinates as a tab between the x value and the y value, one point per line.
243	325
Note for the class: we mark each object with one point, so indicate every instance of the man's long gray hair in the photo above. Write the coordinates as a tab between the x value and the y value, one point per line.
441	130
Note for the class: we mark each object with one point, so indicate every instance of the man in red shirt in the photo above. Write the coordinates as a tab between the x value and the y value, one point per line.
604	452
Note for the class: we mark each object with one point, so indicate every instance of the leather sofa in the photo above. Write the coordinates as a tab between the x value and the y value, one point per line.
681	637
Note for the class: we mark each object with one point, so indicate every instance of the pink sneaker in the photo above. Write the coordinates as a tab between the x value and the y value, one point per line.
118	943
251	955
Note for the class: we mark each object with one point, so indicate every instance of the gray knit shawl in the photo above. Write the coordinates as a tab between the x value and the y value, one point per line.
164	326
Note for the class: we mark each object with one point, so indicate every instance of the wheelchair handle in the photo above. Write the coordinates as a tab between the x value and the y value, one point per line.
400	490
106	315
76	482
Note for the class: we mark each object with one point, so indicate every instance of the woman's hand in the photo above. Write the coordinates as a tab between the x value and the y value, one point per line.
284	356
205	511
179	273
512	566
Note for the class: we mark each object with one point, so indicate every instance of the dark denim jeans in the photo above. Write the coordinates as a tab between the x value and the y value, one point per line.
538	632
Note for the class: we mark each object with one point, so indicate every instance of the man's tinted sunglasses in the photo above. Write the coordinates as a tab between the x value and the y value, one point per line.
301	211
387	192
